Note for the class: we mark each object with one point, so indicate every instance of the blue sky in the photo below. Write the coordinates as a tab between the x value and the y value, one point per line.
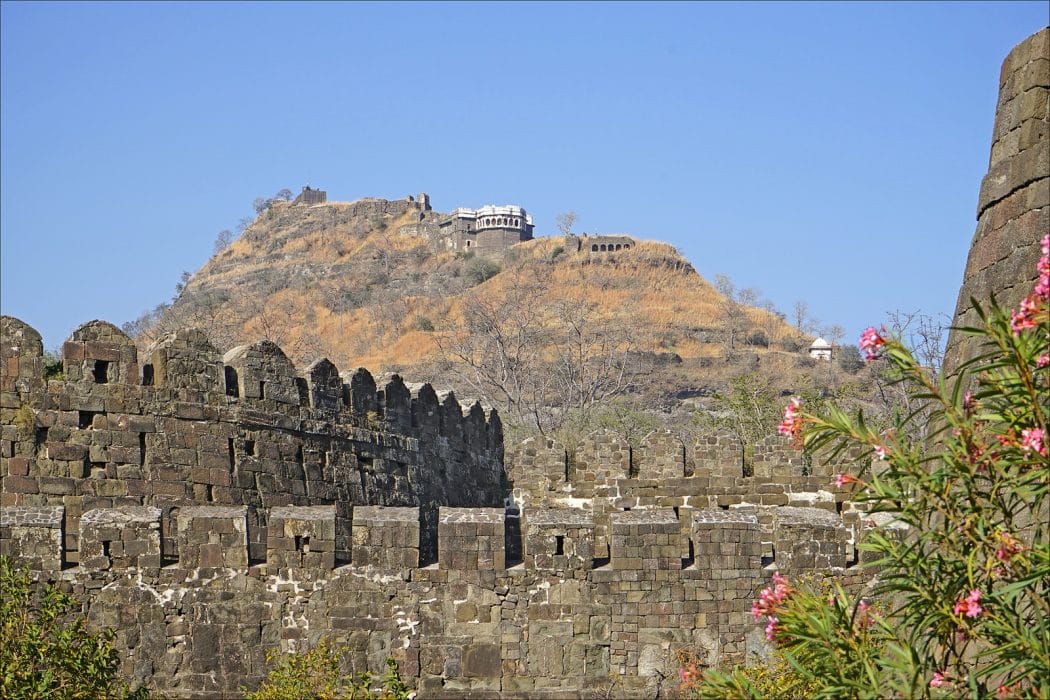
824	152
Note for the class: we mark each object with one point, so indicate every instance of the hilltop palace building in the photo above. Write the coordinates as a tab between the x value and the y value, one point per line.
489	229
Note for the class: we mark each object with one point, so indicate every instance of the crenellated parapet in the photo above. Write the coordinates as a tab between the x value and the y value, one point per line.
33	535
387	539
125	538
187	425
468	622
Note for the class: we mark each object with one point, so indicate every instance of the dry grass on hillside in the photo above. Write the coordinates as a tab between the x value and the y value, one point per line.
357	292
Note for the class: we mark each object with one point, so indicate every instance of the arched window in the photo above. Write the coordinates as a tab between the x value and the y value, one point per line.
618	246
603	247
626	245
594	248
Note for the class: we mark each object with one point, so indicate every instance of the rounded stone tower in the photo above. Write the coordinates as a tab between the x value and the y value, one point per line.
1013	209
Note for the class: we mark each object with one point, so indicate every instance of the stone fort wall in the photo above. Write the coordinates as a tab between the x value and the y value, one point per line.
212	508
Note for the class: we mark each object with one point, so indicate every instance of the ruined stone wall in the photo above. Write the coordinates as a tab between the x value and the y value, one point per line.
1013	208
604	243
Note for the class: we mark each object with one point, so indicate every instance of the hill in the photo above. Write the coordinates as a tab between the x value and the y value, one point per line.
546	323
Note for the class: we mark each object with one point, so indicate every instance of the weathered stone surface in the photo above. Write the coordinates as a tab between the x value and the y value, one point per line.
1013	211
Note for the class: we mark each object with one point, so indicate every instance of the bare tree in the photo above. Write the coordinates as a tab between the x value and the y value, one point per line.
733	323
287	320
749	296
592	359
566	220
923	334
495	353
802	320
223	241
540	363
724	285
833	333
772	321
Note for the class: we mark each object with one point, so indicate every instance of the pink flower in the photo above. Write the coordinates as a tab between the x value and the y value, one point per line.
769	602
791	426
1042	361
771	627
689	676
880	451
843	479
1042	287
970	606
1009	546
871	342
770	599
1027	316
863	616
968	403
1032	440
940	679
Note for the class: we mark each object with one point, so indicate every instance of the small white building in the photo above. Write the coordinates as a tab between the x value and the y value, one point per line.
820	349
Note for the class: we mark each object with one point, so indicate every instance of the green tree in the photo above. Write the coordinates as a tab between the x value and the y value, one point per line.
46	650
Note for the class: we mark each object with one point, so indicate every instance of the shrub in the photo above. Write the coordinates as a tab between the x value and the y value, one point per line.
965	592
480	269
422	323
44	652
850	359
558	250
53	368
318	674
757	338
